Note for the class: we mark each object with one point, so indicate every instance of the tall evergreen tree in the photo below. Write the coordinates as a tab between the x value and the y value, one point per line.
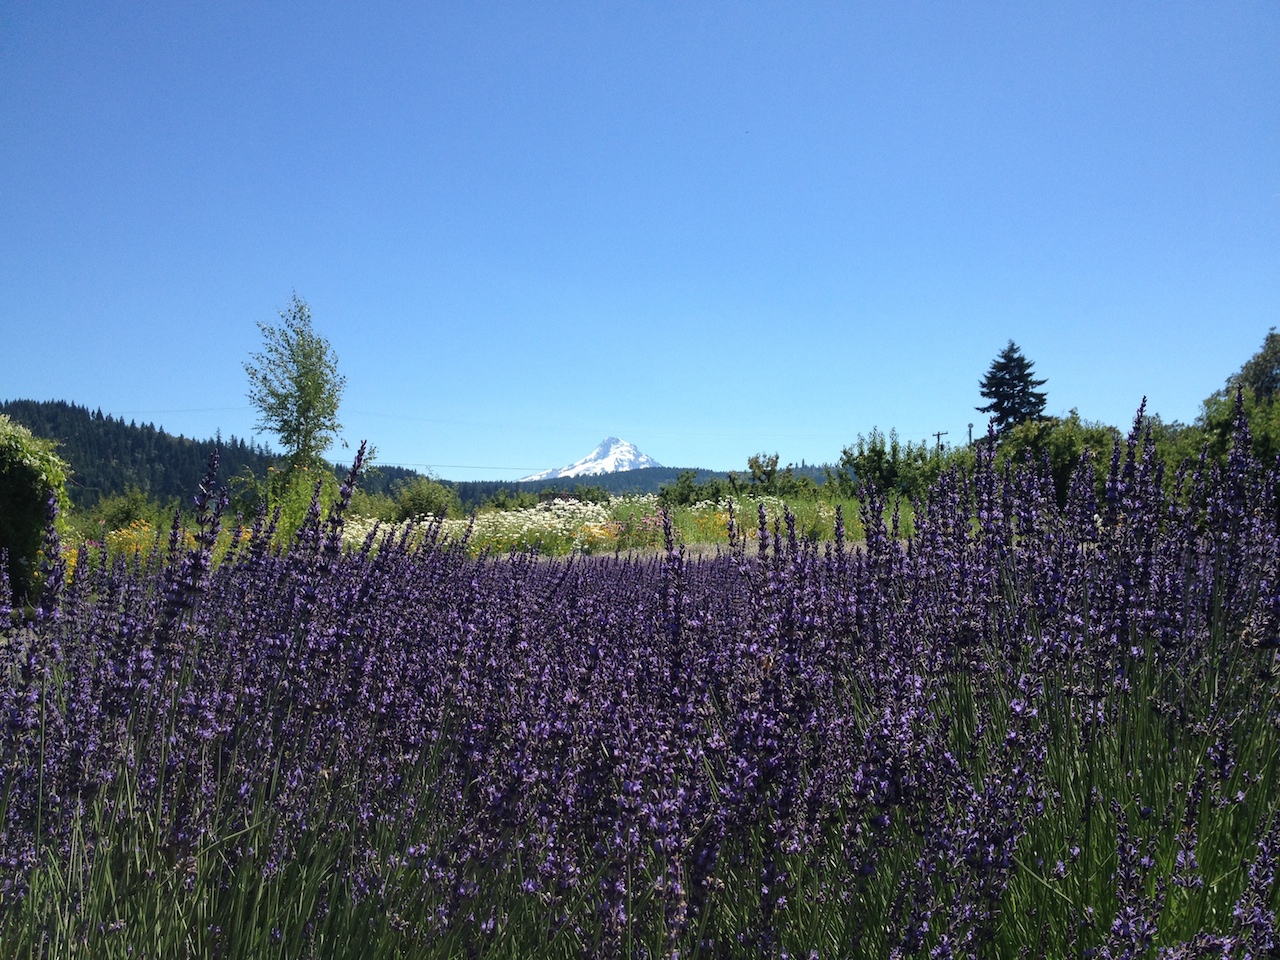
1011	388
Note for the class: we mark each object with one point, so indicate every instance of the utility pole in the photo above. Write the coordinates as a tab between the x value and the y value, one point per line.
971	434
939	435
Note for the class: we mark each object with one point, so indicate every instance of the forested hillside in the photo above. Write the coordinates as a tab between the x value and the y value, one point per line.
109	455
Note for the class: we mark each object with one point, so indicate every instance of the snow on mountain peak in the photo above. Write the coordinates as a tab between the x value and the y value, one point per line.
610	456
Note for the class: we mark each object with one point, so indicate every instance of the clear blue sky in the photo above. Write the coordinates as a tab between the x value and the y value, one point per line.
710	229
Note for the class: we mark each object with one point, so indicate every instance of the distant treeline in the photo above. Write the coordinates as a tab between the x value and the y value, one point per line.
473	493
109	455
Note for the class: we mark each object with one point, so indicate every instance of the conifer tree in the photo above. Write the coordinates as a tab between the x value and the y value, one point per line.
1011	388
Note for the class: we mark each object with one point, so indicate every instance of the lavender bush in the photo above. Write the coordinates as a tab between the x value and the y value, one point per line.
1022	731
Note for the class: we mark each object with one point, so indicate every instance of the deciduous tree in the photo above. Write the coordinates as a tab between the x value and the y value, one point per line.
1261	373
31	474
295	385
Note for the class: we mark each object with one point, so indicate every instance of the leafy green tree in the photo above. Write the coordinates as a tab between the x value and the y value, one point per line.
884	463
1215	427
1175	443
1011	388
295	385
378	506
763	470
1261	373
687	490
424	497
764	478
117	510
1064	441
504	499
30	474
1258	382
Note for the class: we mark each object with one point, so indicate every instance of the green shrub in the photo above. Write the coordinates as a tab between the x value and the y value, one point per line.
686	490
765	479
885	464
1064	441
378	506
288	489
30	473
292	490
117	510
423	497
1216	425
504	500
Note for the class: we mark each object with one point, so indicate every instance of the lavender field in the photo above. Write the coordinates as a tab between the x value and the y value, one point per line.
1025	730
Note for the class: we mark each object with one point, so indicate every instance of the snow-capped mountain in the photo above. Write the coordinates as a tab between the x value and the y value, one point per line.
611	456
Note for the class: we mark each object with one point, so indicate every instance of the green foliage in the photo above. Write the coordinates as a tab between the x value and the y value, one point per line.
886	465
248	491
291	491
116	511
587	493
425	498
639	524
764	479
1175	442
687	491
762	470
1216	422
108	455
505	499
1010	387
377	477
1064	441
1257	383
295	385
379	506
1261	374
133	510
30	473
288	490
1263	415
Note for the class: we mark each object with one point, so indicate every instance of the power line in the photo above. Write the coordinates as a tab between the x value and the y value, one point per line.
451	466
120	413
653	432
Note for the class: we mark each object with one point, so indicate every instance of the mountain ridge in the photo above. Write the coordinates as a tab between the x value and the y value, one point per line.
611	455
